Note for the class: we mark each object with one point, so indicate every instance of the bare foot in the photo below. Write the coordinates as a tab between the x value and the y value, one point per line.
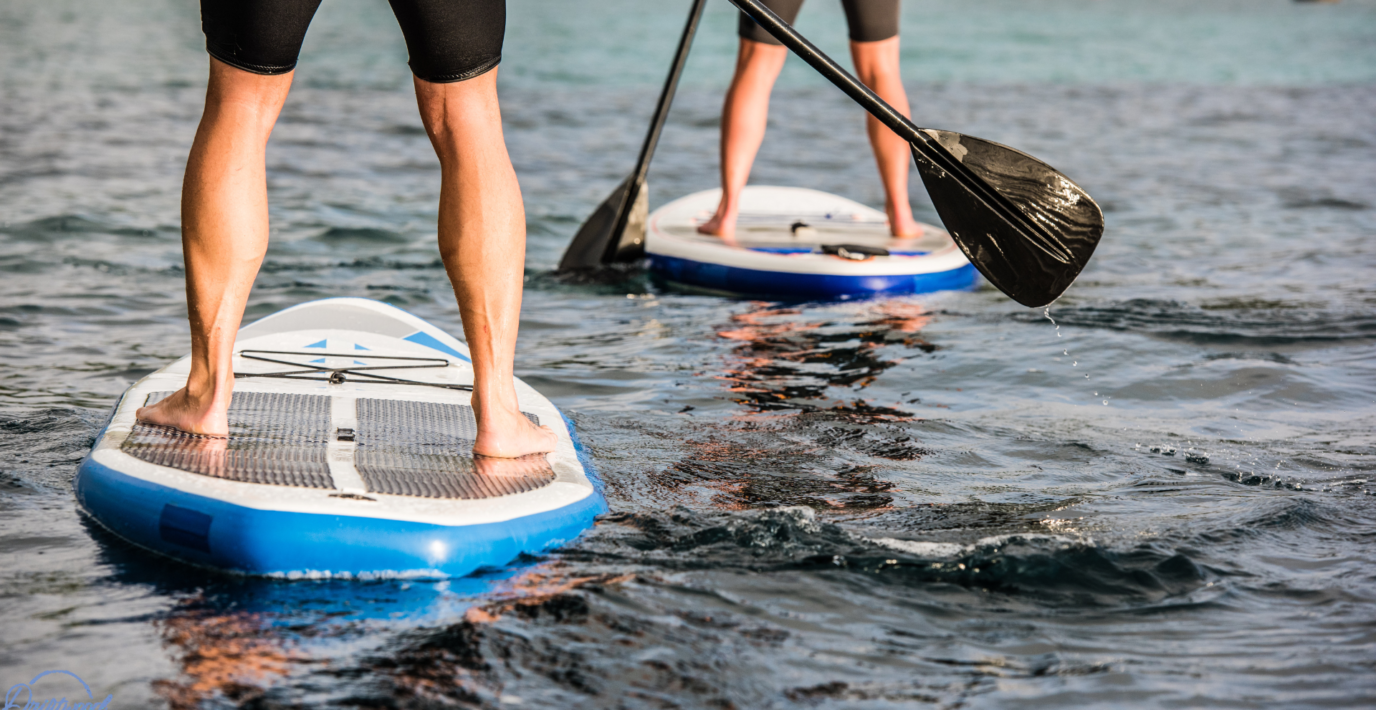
722	224
185	413
903	226
509	435
531	466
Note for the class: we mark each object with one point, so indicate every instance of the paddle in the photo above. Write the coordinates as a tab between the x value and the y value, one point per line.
616	229
1024	225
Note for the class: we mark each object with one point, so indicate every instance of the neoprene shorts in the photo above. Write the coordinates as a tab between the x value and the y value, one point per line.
869	20
448	40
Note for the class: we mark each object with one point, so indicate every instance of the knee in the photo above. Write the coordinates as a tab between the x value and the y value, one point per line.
876	62
460	116
248	100
759	57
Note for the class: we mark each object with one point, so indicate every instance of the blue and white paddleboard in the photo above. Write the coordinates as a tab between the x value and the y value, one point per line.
350	455
795	243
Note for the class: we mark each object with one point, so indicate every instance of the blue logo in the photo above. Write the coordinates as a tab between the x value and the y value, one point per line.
23	696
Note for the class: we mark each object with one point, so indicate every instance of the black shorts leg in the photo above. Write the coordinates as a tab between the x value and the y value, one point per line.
871	20
785	9
452	40
259	36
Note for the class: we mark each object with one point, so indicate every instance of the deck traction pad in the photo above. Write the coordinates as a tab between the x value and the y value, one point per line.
425	449
405	448
275	439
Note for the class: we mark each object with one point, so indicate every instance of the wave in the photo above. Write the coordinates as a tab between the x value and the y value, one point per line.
1052	570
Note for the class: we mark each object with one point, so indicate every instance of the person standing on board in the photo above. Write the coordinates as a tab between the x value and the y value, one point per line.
873	47
454	47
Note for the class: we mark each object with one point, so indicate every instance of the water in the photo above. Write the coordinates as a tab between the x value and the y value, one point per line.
1163	500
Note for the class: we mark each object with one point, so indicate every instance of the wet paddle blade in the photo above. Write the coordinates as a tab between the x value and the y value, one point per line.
1035	261
596	245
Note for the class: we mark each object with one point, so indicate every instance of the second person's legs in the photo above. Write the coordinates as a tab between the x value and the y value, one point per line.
744	116
876	65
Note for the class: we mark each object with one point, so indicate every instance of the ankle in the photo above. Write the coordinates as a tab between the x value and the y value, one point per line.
494	406
207	393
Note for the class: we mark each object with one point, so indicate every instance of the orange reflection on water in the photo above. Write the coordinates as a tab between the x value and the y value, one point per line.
235	655
783	360
900	316
534	587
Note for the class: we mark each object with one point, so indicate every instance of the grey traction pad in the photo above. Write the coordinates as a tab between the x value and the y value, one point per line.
403	448
425	449
274	439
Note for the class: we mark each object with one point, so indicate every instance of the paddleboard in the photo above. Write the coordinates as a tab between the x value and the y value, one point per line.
796	243
349	455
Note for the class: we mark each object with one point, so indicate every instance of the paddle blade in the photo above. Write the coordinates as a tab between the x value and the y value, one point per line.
1033	266
630	244
599	242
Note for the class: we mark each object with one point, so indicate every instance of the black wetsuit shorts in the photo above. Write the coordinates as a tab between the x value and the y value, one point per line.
448	40
869	20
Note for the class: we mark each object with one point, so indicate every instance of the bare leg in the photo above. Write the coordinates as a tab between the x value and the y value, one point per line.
876	64
743	119
482	235
224	238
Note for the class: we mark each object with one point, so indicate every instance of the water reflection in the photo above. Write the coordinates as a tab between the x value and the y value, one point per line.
786	358
235	655
798	442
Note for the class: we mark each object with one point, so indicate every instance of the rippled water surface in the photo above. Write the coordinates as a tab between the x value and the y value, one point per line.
1157	494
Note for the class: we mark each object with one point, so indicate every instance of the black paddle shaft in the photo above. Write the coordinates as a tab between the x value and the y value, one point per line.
601	240
1031	246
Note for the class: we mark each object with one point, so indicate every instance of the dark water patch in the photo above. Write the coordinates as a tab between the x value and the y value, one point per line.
897	447
361	235
565	650
741	473
55	227
1258	325
40	448
1035	568
834	459
1296	515
1265	520
1277	358
1334	203
374	263
611	280
405	129
962	523
399	289
117	269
